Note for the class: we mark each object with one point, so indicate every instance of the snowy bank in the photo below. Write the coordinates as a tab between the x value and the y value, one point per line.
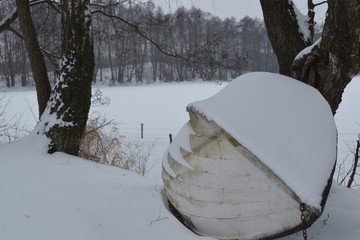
40	194
61	197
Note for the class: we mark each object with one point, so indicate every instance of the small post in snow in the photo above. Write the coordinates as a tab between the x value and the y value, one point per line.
170	137
142	131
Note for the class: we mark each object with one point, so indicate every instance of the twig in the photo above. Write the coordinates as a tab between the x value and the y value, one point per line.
32	113
320	3
118	182
356	160
54	5
5	23
159	218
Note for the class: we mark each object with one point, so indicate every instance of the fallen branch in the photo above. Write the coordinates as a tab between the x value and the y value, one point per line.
159	218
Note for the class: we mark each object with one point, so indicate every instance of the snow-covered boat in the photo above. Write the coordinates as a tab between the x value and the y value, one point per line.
250	156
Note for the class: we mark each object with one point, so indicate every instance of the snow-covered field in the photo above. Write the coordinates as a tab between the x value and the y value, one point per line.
62	197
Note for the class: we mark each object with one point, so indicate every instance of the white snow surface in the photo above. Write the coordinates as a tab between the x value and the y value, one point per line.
307	50
303	21
58	196
64	197
287	124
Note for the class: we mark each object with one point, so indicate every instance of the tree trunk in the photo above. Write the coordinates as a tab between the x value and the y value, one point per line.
23	66
67	112
10	65
110	61
335	59
284	32
37	62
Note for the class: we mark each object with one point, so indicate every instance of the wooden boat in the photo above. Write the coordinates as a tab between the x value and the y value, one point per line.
227	183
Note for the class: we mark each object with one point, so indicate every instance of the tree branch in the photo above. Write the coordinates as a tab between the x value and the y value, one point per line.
356	160
54	5
8	20
108	5
11	29
5	24
320	3
51	58
311	14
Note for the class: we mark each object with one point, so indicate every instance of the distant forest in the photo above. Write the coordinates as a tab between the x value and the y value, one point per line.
140	43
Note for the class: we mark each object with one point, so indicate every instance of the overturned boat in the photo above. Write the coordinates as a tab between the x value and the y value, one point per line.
255	161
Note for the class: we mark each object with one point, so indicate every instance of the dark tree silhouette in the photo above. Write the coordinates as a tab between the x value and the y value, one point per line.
332	61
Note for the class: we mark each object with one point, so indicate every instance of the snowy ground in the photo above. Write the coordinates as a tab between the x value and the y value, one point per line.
62	197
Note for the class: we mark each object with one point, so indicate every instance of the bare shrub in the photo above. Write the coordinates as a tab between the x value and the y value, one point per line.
3	122
110	148
139	153
349	174
10	129
98	99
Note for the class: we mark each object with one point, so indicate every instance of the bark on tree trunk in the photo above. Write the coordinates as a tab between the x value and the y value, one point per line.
284	32
10	66
67	112
335	59
23	66
37	62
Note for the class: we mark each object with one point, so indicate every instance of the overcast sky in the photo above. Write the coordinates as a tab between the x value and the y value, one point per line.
232	8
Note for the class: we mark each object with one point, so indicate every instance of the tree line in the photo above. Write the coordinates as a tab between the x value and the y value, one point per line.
187	44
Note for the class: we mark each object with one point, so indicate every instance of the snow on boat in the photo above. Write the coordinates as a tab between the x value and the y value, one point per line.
250	156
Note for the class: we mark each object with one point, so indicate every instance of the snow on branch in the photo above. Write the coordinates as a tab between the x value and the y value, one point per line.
303	23
320	3
53	4
306	51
